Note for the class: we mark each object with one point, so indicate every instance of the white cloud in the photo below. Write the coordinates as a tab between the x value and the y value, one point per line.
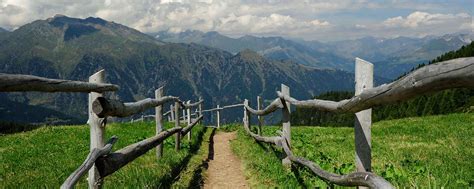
419	19
309	19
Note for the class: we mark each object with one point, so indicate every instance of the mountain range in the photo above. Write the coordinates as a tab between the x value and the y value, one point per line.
72	48
391	57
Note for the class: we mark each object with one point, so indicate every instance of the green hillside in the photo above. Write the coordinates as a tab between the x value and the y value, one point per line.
44	158
422	152
442	102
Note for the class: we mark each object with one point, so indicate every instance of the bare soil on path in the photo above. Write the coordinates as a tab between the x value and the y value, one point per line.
224	169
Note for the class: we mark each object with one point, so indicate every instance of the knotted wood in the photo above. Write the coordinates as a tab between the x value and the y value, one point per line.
19	82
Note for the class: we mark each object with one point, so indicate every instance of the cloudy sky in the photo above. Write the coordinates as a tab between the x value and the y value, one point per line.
307	19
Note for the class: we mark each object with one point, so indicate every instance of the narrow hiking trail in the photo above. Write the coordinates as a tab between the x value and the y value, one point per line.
224	169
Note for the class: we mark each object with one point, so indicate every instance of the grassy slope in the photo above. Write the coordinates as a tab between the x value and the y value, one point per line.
429	151
45	157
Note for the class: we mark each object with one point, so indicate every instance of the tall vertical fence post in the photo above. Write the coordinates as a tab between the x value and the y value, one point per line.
97	130
177	141
188	112
260	118
285	90
159	121
364	74
172	112
200	109
218	120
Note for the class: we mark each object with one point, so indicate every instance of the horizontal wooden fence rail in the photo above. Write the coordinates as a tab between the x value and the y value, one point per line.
100	162
88	163
450	74
112	162
17	83
109	107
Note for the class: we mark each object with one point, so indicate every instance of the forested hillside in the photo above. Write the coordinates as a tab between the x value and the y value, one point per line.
443	102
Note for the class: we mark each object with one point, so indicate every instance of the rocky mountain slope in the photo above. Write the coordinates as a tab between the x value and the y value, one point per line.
71	48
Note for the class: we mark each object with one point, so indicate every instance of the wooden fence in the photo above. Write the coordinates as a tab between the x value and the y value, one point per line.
101	162
457	73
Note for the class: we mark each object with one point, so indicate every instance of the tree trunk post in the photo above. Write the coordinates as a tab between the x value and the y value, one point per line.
172	112
97	130
260	118
189	119
218	114
177	141
159	121
285	90
200	109
364	74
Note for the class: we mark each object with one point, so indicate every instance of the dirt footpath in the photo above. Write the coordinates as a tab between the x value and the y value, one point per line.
224	169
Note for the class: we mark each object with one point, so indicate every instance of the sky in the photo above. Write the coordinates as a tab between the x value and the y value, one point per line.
303	19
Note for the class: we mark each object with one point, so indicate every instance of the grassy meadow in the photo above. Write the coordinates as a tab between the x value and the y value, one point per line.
421	152
44	158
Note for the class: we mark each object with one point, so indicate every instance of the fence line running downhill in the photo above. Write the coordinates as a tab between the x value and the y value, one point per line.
101	162
457	73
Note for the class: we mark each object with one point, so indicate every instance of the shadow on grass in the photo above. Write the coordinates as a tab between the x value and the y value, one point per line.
280	155
168	180
198	181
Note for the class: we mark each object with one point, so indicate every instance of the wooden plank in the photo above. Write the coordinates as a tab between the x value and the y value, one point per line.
97	129
159	121
18	82
200	109
177	140
246	120
364	76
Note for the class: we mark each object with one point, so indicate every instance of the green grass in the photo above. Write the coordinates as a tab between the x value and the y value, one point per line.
44	158
427	152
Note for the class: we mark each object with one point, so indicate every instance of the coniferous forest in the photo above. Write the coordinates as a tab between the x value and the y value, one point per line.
443	102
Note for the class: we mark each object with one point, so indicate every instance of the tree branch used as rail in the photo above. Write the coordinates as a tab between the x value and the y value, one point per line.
456	73
190	126
109	107
88	163
192	104
112	162
17	82
273	140
275	105
353	179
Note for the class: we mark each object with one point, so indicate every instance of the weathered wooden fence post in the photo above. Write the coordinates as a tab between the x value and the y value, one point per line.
97	130
159	121
364	75
172	112
177	144
200	109
218	117
285	90
189	119
260	118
